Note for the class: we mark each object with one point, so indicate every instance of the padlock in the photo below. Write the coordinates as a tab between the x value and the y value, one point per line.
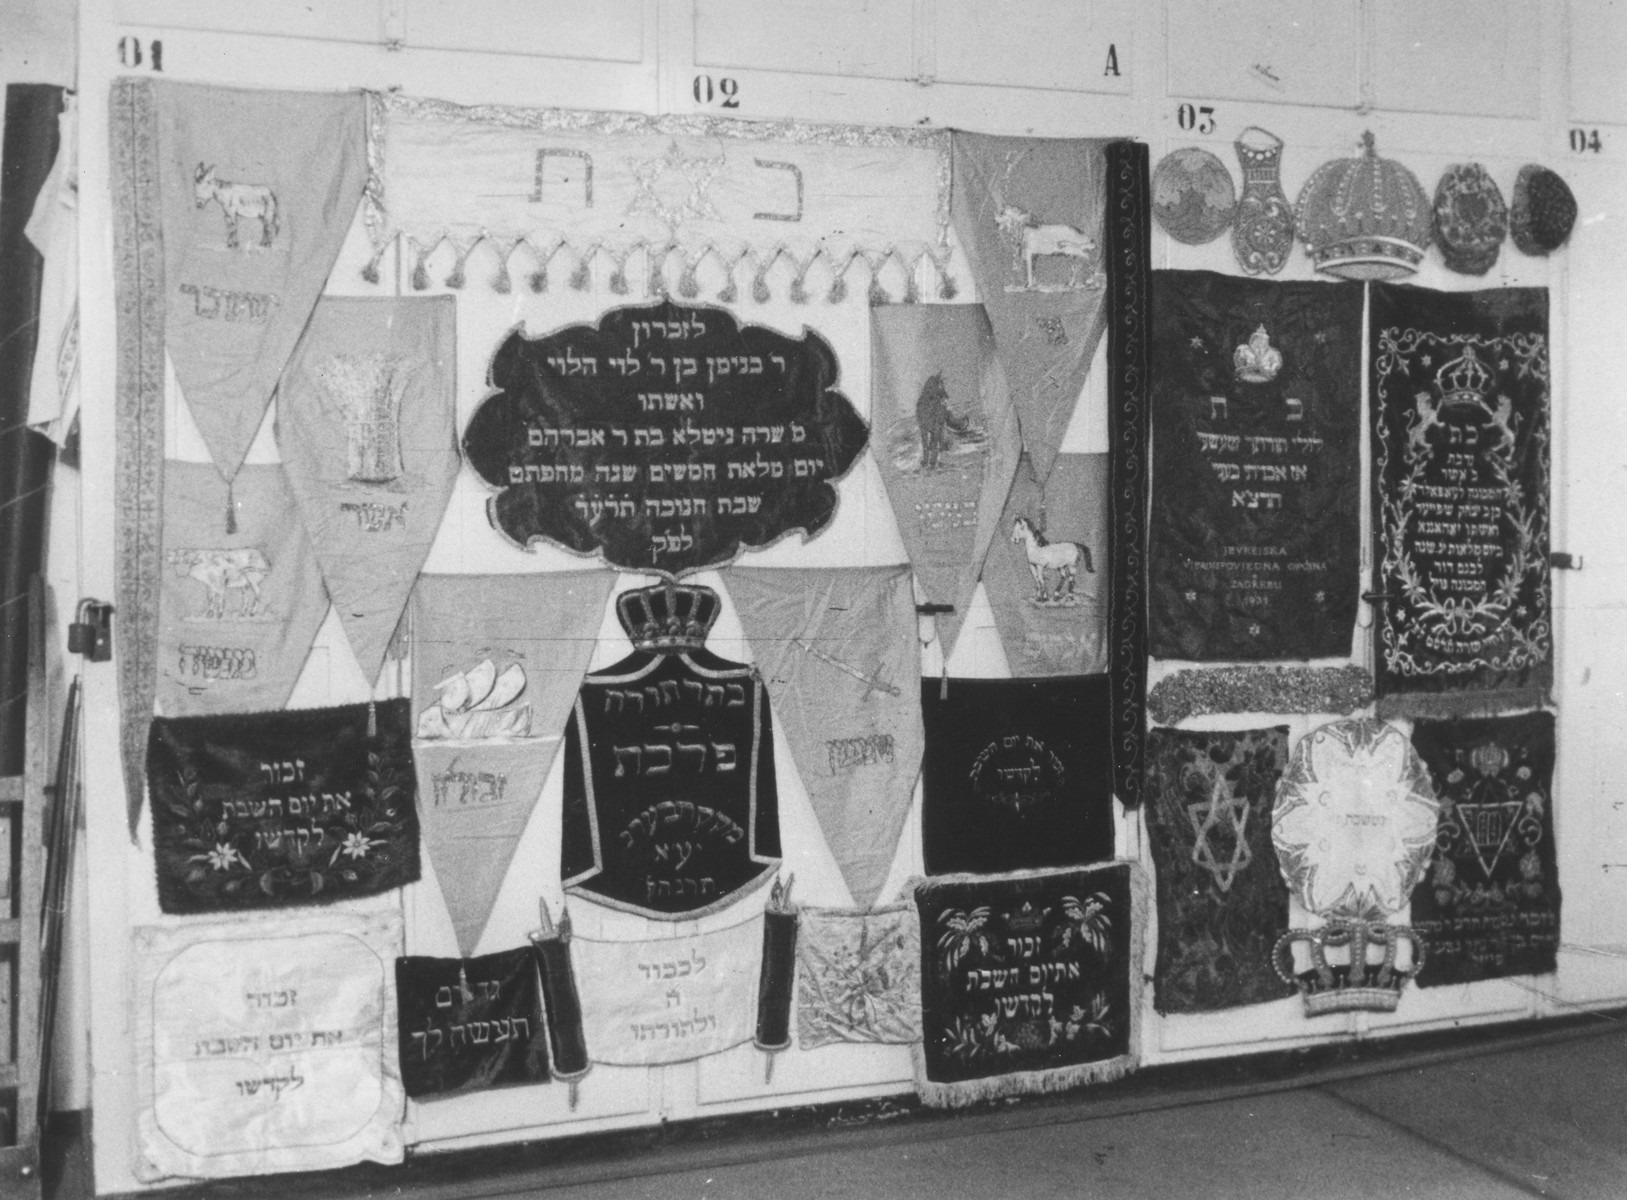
91	634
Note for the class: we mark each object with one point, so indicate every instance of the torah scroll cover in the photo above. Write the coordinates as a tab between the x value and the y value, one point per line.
1256	412
1460	466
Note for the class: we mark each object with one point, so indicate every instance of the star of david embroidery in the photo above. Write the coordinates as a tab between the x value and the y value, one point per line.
1196	343
1227	813
649	174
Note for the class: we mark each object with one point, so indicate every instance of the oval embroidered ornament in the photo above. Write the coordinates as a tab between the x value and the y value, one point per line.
1193	197
1354	821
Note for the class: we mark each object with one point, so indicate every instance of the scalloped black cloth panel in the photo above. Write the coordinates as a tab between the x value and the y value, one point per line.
1256	412
468	1024
279	809
1018	774
1489	907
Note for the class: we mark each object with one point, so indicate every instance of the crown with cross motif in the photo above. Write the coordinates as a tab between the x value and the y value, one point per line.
668	616
1360	973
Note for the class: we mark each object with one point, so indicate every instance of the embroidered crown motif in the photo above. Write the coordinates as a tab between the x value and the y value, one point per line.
668	616
1257	360
1360	973
1464	380
1027	920
1365	217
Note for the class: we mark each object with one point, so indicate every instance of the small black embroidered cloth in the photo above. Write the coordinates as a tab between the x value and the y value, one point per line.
1460	471
1489	906
1222	904
468	1024
1018	774
269	810
672	810
1026	973
1256	399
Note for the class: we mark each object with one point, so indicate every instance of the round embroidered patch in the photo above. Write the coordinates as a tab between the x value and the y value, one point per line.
1354	821
1544	210
1193	197
1471	218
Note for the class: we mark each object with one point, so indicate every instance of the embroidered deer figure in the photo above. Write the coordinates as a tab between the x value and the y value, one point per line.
1036	240
237	200
1062	557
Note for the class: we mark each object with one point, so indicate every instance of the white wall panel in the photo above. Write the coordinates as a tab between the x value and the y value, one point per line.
867	38
1068	45
1275	51
1483	58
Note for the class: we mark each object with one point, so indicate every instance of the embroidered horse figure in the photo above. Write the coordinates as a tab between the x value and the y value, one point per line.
1036	240
1061	557
237	200
223	572
936	420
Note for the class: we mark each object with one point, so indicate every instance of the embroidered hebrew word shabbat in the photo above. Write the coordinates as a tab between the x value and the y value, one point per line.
1460	409
1025	972
268	810
259	1052
1255	542
664	439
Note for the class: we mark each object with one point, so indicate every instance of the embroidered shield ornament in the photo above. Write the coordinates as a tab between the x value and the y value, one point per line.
1263	225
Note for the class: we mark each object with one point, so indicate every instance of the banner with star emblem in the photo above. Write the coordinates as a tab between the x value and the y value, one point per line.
700	205
1489	907
1460	472
1222	904
1256	484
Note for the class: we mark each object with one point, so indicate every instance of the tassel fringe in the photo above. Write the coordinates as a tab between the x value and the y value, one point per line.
688	285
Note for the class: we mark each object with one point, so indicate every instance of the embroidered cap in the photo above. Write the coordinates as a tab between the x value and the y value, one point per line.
1544	210
1193	196
1471	218
1364	217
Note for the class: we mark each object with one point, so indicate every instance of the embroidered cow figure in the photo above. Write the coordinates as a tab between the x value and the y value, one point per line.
1036	240
224	572
237	200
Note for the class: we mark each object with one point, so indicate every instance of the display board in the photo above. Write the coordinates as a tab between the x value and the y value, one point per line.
679	380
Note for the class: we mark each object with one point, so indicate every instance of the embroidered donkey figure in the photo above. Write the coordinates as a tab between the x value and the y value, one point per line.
237	200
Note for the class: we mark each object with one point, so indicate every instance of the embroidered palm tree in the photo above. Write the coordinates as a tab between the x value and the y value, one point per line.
963	933
366	391
1089	921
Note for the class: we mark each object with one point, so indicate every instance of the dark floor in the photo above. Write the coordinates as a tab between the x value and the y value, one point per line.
1530	1111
